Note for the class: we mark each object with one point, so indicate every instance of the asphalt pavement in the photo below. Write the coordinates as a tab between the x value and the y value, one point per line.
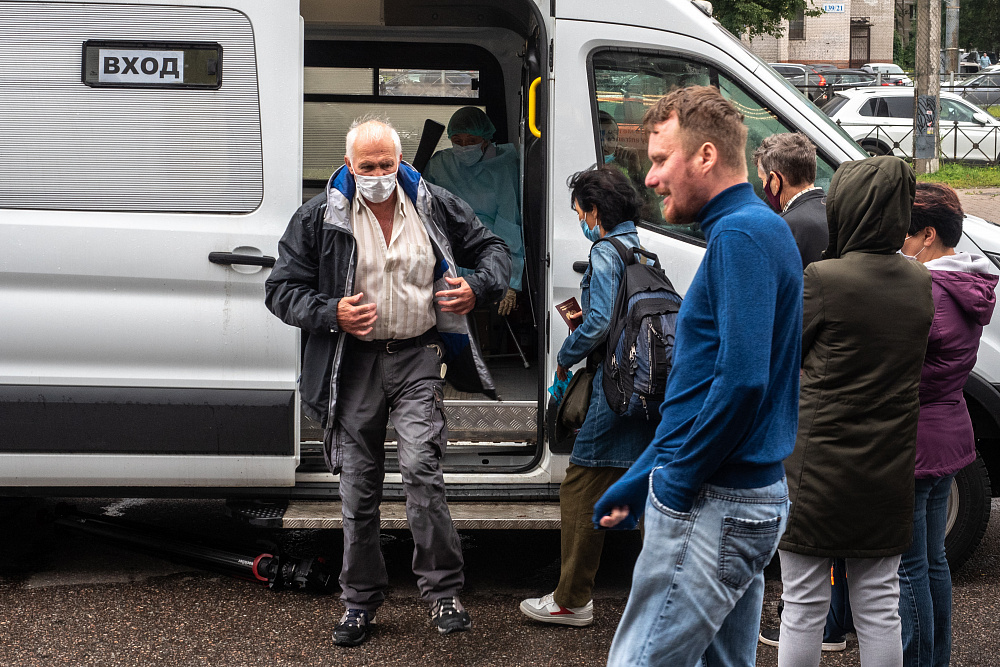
981	202
75	599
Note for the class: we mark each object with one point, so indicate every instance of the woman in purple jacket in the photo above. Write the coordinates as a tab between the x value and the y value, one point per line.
963	290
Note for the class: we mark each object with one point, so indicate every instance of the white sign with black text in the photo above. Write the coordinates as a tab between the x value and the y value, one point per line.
140	66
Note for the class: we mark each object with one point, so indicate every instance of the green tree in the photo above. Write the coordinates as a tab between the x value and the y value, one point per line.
979	25
903	54
760	17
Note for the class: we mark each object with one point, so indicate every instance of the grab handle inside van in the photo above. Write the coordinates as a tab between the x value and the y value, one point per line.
533	107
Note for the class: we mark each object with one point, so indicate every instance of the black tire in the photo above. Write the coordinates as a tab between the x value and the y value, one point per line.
968	512
875	149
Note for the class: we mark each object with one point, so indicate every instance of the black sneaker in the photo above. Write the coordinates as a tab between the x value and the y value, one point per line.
352	630
835	643
448	615
769	636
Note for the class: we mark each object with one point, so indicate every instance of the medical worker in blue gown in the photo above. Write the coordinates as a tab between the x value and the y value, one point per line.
486	175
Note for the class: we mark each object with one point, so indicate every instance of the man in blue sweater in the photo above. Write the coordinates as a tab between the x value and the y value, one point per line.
711	483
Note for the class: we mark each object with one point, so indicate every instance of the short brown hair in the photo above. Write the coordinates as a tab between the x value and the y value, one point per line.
937	205
790	154
703	116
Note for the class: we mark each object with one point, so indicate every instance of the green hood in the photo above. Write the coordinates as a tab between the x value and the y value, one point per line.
868	206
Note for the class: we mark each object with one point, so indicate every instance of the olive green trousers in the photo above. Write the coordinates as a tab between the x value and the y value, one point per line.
581	542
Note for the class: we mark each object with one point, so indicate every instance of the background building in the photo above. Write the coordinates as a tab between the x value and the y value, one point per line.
847	34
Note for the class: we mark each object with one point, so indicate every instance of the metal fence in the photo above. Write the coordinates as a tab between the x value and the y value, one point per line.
958	143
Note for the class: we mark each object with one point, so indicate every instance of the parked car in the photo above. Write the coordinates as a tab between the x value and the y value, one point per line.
842	79
836	79
806	78
881	121
894	73
982	90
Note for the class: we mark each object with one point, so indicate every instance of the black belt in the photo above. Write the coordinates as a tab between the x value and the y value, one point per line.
393	345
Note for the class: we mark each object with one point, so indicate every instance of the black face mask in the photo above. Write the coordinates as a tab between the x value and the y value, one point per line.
774	200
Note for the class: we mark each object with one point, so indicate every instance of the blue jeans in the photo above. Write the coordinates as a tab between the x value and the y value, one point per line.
925	580
698	585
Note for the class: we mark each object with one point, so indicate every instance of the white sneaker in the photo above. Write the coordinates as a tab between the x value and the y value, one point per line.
546	610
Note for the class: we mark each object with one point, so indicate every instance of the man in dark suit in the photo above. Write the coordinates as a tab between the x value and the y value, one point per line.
786	166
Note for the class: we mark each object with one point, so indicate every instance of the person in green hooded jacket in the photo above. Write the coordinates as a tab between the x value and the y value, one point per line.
867	311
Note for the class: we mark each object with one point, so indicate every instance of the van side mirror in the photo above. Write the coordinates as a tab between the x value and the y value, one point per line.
981	117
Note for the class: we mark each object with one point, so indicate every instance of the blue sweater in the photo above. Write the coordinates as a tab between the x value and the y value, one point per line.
731	408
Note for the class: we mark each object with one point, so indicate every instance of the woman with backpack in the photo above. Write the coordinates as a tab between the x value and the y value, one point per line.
606	444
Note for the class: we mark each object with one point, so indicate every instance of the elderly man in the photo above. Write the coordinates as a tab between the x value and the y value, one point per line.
786	166
711	483
357	271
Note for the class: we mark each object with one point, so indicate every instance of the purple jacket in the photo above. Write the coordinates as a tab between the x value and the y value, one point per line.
963	303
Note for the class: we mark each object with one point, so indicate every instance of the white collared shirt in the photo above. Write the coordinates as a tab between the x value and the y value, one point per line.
799	194
399	277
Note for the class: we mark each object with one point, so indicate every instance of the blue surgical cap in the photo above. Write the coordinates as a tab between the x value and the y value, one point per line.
471	120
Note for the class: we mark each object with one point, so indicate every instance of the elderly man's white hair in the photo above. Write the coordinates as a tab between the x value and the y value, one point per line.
371	129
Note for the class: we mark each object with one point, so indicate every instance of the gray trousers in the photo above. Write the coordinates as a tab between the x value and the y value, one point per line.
874	593
405	386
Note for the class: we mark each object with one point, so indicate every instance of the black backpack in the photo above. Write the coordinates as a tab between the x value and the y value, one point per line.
640	345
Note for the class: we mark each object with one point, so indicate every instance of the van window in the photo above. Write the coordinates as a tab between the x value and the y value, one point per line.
429	82
325	123
344	81
627	83
325	126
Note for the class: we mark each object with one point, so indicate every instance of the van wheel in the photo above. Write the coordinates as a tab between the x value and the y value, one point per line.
968	512
875	149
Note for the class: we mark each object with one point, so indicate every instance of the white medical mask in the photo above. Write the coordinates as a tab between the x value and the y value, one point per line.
912	258
376	189
467	155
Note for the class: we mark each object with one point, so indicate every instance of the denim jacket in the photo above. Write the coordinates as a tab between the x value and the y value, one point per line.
599	289
605	439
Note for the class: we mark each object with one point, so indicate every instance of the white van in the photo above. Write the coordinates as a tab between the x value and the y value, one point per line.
152	152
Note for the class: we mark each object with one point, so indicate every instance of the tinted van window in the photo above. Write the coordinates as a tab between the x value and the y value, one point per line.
627	83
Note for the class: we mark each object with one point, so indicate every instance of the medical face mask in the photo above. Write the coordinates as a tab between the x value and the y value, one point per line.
467	155
376	189
609	158
593	235
774	200
912	258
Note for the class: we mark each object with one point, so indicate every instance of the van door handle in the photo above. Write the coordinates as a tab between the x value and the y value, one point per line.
233	258
580	267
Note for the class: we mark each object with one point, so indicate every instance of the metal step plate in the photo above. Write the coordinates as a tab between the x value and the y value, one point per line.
470	421
327	515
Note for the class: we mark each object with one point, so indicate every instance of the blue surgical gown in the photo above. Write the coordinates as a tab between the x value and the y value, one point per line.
491	187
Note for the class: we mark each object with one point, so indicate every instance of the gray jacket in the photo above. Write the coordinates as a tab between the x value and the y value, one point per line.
315	269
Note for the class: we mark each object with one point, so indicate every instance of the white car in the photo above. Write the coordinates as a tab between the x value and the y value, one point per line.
881	120
890	71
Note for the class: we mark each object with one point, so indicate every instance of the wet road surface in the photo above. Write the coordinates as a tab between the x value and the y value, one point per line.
74	599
